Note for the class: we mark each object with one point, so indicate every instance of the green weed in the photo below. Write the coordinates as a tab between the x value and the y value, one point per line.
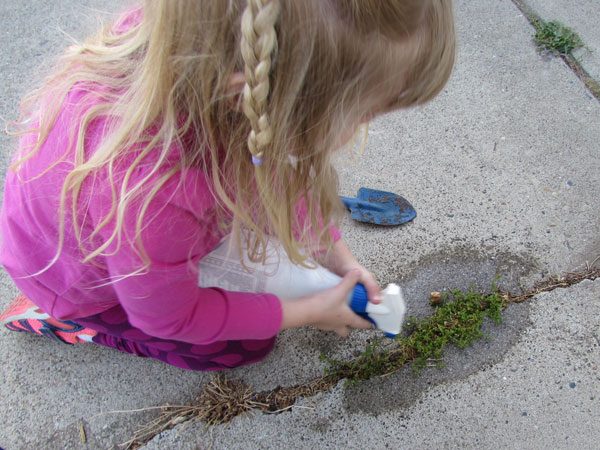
457	320
556	37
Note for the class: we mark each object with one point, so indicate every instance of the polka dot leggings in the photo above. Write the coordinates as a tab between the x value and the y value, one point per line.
114	330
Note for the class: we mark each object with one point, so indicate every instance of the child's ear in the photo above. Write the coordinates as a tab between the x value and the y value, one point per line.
235	89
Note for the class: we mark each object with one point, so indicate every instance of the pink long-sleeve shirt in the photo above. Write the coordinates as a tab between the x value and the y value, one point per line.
179	229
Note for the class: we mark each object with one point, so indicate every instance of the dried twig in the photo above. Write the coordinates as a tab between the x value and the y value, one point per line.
552	283
82	435
591	266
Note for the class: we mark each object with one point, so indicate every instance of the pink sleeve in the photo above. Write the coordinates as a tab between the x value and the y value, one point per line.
166	301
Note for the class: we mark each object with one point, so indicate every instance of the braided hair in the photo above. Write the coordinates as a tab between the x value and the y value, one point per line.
258	43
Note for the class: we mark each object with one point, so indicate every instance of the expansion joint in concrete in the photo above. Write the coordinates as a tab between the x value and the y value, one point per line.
590	83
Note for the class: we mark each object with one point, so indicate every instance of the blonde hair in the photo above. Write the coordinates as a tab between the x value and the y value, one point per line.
312	69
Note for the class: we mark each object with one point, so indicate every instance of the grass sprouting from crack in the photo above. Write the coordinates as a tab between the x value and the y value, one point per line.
556	37
557	41
220	401
457	321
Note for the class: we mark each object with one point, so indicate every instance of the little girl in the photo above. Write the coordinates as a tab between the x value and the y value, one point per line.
187	121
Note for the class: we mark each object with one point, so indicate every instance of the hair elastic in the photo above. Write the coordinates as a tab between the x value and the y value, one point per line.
256	160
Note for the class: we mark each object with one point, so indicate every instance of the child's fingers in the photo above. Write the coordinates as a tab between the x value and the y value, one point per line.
373	290
348	282
342	332
359	322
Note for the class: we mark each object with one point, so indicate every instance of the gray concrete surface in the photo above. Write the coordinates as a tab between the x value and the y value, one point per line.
502	169
582	16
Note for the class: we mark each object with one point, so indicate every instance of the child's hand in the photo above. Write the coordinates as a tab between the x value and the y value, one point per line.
331	309
368	280
341	261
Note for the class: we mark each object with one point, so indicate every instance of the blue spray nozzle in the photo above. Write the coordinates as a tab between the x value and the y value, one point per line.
359	299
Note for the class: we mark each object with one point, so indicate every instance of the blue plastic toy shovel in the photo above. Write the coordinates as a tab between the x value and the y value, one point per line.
379	207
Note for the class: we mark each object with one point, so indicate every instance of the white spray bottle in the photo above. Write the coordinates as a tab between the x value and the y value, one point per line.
222	268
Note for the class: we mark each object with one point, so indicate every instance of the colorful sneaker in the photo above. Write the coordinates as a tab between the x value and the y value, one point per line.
23	315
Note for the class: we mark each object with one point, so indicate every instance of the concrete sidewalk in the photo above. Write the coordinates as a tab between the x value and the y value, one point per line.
503	171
